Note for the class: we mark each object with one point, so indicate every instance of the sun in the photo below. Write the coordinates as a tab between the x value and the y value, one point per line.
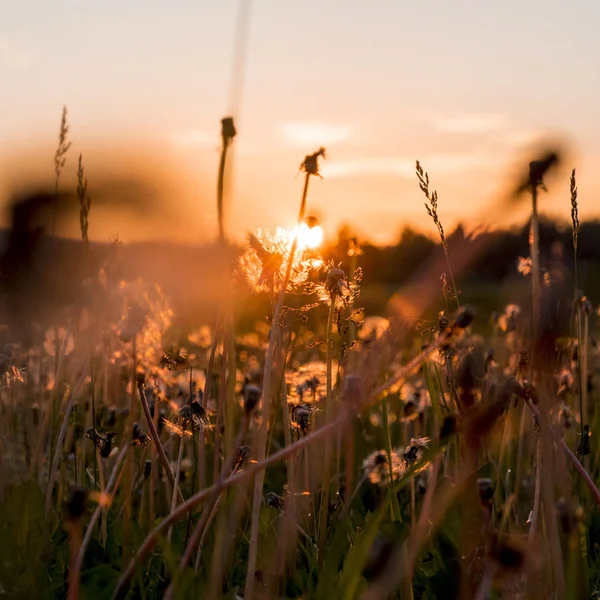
308	237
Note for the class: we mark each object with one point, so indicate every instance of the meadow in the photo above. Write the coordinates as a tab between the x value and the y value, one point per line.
439	447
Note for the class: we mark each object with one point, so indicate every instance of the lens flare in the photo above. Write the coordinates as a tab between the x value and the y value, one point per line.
308	237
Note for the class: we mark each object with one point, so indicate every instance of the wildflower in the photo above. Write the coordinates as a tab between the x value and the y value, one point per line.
524	265
377	468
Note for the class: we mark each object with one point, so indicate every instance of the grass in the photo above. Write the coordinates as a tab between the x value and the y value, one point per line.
328	452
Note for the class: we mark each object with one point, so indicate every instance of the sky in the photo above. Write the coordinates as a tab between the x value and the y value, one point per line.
465	86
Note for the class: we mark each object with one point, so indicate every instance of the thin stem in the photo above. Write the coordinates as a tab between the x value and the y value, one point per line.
324	513
254	468
177	475
534	242
538	485
156	439
59	442
90	528
257	495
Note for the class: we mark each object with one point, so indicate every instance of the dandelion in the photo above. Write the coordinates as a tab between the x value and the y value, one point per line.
377	468
301	417
414	452
336	288
189	418
263	263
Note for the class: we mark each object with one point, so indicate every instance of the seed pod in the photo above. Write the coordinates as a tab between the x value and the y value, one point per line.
252	394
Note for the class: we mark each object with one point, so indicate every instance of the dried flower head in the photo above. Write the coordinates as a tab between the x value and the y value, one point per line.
310	164
301	417
175	360
307	384
263	263
336	288
524	265
377	469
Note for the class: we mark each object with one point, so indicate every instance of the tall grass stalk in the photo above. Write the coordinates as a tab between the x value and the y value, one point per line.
582	344
85	204
431	208
254	468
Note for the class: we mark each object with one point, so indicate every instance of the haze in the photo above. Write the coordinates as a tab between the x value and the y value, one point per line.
463	86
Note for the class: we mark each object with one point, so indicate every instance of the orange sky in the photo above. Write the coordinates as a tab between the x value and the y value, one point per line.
463	88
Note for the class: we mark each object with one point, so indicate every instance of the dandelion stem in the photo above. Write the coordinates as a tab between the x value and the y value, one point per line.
176	487
324	513
274	336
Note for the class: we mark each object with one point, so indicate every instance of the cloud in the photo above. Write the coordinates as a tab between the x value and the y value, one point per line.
517	139
315	133
404	167
13	57
195	138
438	164
470	123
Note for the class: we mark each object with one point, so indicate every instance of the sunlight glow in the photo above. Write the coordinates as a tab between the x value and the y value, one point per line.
308	237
